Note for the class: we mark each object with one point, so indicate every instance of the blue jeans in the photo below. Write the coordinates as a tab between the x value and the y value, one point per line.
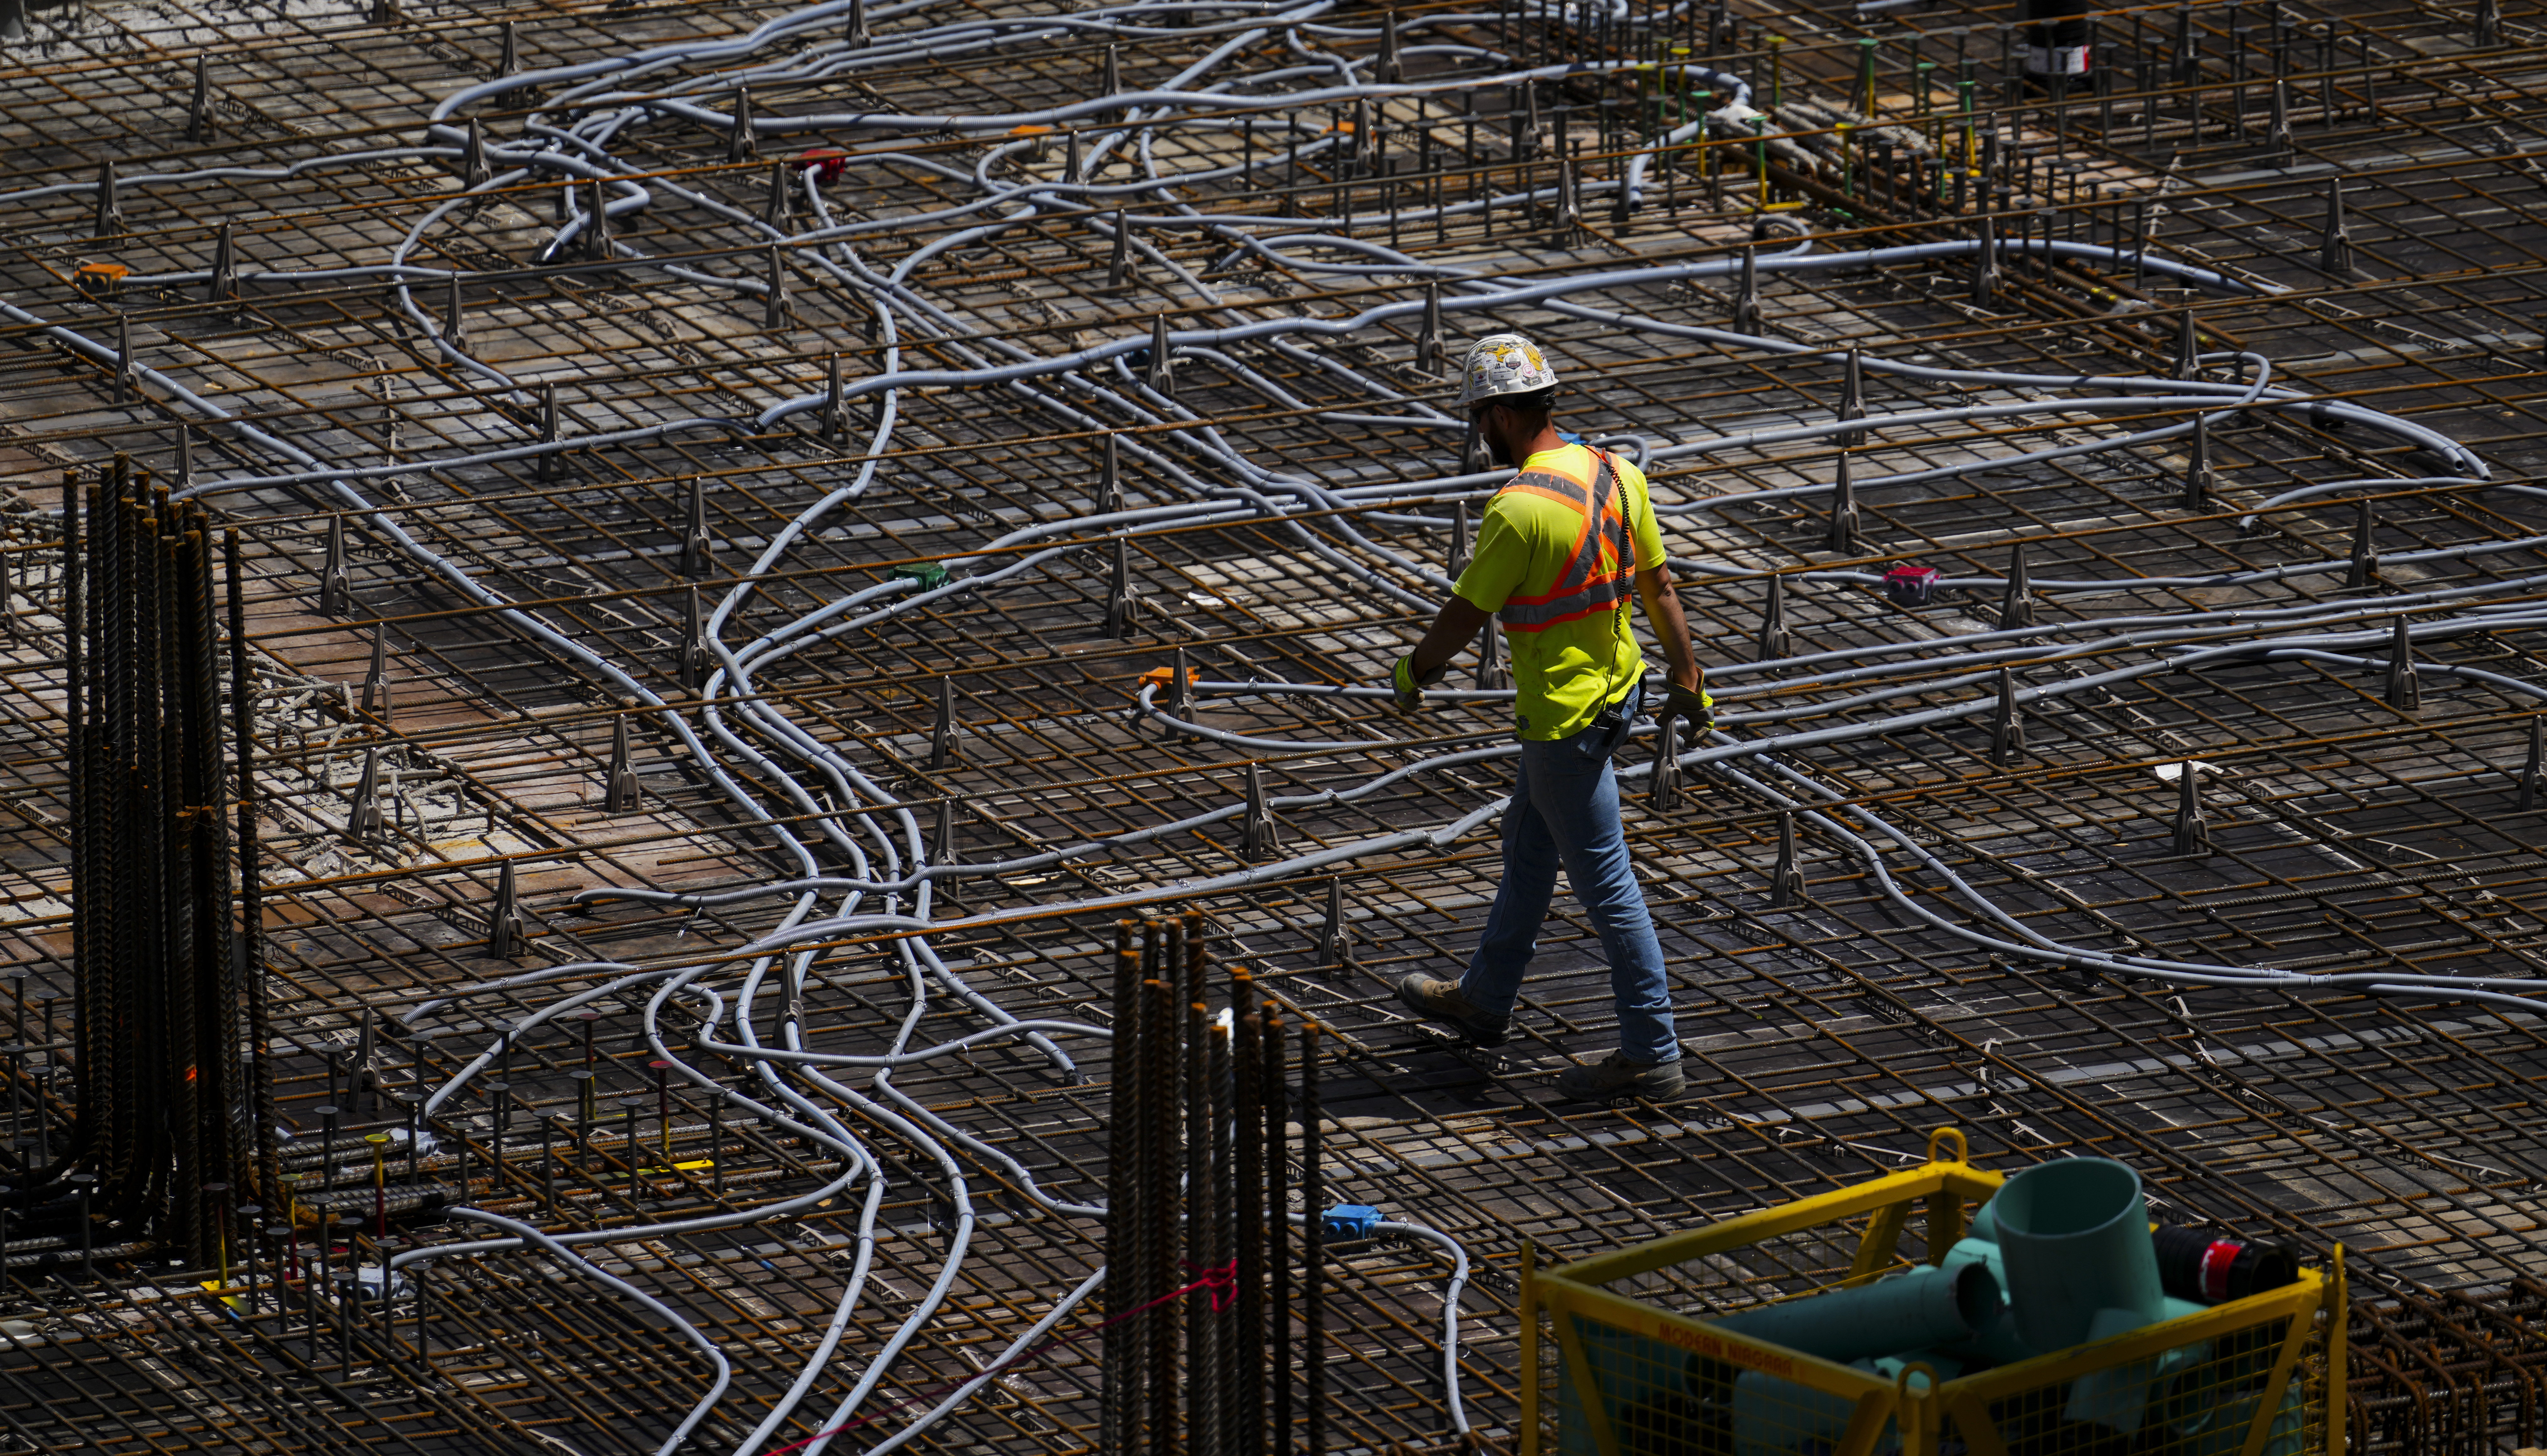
1565	811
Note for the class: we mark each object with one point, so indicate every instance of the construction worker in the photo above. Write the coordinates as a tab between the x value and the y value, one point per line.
1556	551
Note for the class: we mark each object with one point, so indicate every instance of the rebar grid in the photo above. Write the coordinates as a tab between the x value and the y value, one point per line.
2345	835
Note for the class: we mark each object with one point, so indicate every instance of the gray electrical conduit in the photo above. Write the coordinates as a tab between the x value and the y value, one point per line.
1263	874
2017	651
1401	263
2084	250
626	1290
2247	520
2238	579
522	621
2421	484
1029	1185
1781	744
927	1307
923	1312
2404	601
855	785
863	1262
609	1235
787	785
2251	392
944	45
2209	973
658	1230
958	1239
818	1360
441	566
1449	1312
839	605
2288	648
1227	454
886	52
1215	448
2224	397
920	873
858	1160
1764	748
1930	717
2181	626
2035	947
693	52
804	741
770	416
1168	103
994	1369
2190	394
1032	1188
2140	964
1797	258
2152	641
1820	709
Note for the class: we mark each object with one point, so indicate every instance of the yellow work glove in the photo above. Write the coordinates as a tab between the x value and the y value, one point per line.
1409	685
1697	705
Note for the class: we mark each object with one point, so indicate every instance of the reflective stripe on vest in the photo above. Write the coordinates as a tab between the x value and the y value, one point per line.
1586	585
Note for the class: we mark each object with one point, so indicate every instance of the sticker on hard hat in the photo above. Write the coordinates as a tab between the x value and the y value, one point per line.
1505	363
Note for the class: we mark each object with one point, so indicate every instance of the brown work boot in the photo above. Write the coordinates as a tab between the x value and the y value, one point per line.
1441	1000
1615	1078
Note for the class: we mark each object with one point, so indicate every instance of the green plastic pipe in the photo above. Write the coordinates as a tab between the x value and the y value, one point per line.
2074	1240
1923	1307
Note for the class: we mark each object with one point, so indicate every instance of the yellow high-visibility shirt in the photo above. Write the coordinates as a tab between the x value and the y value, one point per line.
1549	565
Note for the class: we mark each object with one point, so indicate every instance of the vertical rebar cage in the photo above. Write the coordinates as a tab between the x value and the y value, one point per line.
1614	1369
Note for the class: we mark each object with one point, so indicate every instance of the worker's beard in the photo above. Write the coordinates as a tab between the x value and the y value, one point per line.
1499	452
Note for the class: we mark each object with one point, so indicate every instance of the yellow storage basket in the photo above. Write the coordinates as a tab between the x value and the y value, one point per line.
2261	1376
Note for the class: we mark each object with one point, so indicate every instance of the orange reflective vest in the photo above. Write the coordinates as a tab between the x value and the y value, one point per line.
1596	577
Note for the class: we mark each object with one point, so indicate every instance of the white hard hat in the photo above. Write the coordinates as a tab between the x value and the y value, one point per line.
1503	364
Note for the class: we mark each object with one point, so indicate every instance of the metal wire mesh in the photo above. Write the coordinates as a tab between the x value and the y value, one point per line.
1827	1031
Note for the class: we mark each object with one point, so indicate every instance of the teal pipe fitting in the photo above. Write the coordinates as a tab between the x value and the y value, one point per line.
1984	1224
2117	1398
1975	1249
2074	1239
1921	1307
2121	1397
1996	1341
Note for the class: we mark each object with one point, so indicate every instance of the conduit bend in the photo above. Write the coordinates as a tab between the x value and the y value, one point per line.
885	850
